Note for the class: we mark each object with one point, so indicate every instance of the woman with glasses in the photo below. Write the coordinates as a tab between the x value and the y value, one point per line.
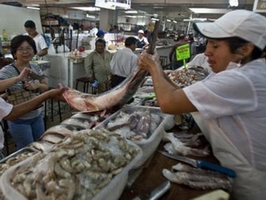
29	127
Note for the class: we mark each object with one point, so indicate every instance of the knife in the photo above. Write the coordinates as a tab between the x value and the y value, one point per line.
157	192
201	164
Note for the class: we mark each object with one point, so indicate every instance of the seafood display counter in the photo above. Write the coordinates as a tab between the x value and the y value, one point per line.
150	176
71	142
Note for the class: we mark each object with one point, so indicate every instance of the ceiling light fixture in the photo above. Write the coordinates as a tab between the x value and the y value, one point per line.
154	19
90	16
209	10
195	19
233	3
33	8
131	12
92	9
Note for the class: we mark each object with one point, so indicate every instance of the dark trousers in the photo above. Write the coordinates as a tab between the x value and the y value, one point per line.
116	80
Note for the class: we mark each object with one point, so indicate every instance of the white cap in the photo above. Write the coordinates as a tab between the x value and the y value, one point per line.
245	24
141	31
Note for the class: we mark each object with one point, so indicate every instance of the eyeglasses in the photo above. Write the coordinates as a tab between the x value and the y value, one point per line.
28	49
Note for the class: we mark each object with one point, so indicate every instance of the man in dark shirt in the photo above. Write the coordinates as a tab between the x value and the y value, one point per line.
172	55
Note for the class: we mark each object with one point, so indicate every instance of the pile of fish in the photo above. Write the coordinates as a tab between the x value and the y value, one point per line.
77	168
187	76
185	144
135	126
197	178
70	126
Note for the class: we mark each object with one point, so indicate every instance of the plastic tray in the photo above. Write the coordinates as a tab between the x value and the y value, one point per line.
111	192
16	153
150	144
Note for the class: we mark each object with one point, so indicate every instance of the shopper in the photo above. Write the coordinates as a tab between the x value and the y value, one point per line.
124	62
10	112
142	41
41	46
229	104
98	68
93	29
175	64
101	34
29	127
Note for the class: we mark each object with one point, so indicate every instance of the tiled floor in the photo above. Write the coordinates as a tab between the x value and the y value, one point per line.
66	112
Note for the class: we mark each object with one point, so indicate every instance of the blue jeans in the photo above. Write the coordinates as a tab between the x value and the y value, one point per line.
26	131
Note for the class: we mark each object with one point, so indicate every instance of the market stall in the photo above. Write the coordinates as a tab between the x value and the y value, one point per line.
109	150
139	177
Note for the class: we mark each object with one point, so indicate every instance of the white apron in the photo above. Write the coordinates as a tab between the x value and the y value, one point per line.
249	183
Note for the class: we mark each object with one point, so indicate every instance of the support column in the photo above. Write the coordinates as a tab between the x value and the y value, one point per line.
107	17
104	15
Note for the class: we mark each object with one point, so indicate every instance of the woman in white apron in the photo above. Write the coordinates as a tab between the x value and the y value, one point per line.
230	104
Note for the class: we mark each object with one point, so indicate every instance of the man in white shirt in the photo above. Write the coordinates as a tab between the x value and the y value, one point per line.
124	62
94	30
41	46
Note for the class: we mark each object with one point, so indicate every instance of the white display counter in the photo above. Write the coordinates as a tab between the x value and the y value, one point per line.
66	70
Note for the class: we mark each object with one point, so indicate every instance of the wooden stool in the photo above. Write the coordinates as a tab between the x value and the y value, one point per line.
86	83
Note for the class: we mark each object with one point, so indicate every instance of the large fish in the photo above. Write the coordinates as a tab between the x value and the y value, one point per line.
115	97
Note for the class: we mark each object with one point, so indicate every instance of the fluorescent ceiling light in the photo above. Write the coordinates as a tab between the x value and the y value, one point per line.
141	23
197	19
33	8
90	16
131	16
131	12
209	10
233	3
154	19
87	8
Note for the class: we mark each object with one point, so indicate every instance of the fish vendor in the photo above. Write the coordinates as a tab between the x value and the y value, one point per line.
229	105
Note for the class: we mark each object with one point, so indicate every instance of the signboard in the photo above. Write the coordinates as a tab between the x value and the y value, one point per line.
183	52
259	6
113	4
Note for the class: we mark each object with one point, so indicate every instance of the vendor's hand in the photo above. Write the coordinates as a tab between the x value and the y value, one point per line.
31	86
23	76
57	93
91	79
147	61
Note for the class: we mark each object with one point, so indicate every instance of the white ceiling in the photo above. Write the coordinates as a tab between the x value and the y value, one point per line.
171	9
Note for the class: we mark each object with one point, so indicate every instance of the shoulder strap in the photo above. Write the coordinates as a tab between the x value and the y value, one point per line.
15	68
17	71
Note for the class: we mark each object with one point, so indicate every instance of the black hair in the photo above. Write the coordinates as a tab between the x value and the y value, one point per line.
18	40
235	42
29	24
130	40
100	40
181	36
